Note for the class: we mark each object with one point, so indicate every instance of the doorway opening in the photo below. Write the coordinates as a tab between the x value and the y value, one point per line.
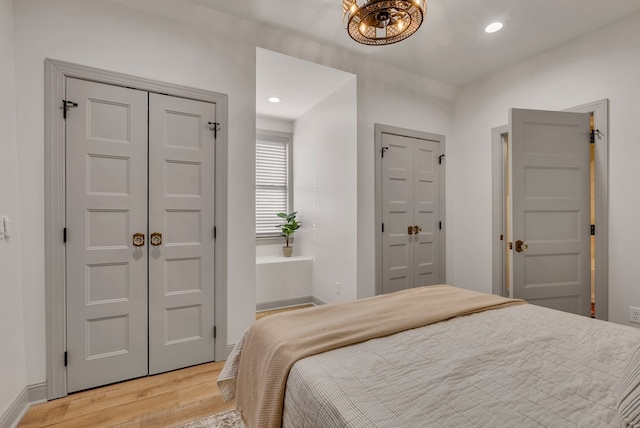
598	201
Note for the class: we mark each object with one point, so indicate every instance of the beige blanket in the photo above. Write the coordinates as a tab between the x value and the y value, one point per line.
273	344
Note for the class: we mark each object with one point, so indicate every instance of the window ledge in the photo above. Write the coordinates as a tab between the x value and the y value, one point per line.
262	260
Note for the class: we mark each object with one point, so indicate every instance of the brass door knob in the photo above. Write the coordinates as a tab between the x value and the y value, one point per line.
156	239
410	230
521	246
416	229
138	239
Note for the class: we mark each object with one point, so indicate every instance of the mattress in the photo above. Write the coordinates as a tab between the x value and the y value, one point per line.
521	366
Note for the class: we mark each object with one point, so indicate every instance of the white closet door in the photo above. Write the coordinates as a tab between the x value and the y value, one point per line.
181	209
411	212
550	160
106	203
426	212
398	211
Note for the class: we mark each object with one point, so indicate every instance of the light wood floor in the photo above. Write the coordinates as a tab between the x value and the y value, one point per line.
165	400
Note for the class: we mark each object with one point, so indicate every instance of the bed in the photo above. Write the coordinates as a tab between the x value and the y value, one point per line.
508	365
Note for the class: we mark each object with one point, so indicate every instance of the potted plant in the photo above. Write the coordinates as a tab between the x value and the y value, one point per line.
287	229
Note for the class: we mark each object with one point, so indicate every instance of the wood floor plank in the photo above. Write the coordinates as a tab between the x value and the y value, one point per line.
190	393
164	400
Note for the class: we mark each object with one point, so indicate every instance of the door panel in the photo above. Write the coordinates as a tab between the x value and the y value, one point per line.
106	189
549	164
410	197
426	215
397	194
181	276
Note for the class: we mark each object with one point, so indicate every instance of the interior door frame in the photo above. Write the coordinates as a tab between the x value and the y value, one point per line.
56	73
600	111
380	129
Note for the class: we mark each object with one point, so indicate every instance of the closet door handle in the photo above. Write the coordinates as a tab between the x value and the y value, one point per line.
138	239
410	230
156	239
416	229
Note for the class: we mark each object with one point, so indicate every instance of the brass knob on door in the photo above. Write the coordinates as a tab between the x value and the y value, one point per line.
138	239
521	246
417	229
156	239
410	230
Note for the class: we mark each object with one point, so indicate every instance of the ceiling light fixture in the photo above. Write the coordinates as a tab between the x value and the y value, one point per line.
492	28
382	22
274	99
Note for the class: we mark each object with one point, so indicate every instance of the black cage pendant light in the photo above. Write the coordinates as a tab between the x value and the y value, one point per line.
382	22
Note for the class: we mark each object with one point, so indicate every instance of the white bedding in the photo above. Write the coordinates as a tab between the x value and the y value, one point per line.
523	366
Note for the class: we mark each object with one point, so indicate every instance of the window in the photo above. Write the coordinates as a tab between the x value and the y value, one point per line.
273	181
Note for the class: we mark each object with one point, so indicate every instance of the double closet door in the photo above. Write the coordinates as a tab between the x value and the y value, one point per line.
139	233
411	212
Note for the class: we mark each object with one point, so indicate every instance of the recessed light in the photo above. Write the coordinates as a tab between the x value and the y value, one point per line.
274	99
492	28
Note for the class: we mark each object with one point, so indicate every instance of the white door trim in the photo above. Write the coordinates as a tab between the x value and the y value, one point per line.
499	226
379	129
600	111
55	75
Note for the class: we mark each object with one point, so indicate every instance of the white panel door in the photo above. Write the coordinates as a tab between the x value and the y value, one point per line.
181	197
549	164
426	212
410	212
106	203
397	213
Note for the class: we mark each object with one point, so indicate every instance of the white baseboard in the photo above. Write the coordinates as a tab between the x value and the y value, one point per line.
37	393
318	301
16	410
32	394
284	303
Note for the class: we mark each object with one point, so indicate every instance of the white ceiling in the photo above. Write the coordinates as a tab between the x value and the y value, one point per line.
451	45
300	84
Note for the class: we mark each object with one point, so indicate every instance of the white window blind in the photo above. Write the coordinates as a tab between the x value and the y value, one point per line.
272	184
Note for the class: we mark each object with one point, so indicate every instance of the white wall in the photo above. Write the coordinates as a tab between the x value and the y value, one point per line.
281	279
114	37
271	124
325	192
404	108
12	366
204	49
386	95
603	64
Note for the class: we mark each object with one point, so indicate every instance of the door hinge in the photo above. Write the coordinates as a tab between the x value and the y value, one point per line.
502	237
440	159
382	227
384	149
66	105
440	225
592	135
64	235
215	232
215	332
215	127
65	358
593	230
